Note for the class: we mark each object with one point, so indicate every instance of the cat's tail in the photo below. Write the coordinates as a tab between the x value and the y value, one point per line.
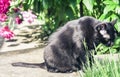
29	65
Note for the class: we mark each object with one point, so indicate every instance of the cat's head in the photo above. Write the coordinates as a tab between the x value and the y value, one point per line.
106	32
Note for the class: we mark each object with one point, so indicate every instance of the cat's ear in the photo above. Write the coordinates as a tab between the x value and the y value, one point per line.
114	22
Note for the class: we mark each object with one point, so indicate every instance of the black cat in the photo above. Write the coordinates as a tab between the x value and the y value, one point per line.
66	52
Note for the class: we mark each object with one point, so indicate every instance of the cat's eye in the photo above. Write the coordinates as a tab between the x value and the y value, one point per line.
98	28
101	27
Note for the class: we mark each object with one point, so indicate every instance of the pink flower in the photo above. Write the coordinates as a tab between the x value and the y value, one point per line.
6	33
28	16
4	6
3	17
18	20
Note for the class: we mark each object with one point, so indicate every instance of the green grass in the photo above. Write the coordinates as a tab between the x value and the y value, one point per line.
104	68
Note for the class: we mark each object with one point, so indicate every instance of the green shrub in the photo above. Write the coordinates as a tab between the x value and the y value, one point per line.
56	13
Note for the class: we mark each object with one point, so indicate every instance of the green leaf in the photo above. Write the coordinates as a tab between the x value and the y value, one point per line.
117	26
116	1
113	50
102	17
109	8
78	1
117	9
73	9
89	4
70	12
113	16
117	41
115	46
72	2
30	2
45	4
105	49
109	2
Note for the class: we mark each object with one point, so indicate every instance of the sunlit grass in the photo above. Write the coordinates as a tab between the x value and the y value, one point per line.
105	68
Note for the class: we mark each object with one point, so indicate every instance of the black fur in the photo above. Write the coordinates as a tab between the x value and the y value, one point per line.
66	52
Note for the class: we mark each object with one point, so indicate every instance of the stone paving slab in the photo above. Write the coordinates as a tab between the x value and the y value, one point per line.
7	48
23	38
34	56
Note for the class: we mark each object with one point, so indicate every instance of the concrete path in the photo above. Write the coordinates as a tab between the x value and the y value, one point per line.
33	56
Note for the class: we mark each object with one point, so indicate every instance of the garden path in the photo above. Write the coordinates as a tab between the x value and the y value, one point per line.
33	56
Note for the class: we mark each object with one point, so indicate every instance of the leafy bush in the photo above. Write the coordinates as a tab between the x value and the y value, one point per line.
55	13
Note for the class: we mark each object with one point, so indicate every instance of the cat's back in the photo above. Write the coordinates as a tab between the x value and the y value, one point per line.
83	24
65	30
88	20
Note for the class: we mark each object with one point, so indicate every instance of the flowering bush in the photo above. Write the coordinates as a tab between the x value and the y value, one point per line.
10	14
4	6
3	17
6	33
18	20
28	16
